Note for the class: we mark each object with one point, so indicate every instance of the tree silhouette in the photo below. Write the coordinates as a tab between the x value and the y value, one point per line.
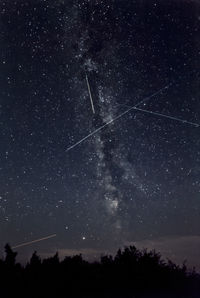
131	273
10	258
35	260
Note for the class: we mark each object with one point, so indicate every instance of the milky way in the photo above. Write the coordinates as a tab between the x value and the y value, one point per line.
99	116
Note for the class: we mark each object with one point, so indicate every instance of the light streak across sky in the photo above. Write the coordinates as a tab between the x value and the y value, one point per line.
33	241
90	94
117	117
168	117
163	115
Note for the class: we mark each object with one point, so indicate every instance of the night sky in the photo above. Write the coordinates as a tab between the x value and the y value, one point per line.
136	180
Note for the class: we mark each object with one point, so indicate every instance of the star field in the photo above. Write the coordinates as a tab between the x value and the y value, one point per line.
136	179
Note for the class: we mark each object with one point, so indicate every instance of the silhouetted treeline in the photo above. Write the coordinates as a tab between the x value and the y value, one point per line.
131	273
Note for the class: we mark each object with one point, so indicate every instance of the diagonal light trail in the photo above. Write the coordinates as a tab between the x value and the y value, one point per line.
164	116
149	97
114	119
34	241
90	94
169	117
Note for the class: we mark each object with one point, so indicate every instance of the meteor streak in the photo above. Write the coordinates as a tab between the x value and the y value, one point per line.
114	119
149	97
164	116
169	117
34	241
90	94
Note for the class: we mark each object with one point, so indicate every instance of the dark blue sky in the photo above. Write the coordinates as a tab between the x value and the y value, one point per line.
136	180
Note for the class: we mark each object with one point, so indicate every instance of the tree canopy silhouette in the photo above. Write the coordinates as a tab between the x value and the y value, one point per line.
130	273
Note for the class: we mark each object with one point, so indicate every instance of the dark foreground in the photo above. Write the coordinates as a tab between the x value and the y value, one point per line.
130	274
